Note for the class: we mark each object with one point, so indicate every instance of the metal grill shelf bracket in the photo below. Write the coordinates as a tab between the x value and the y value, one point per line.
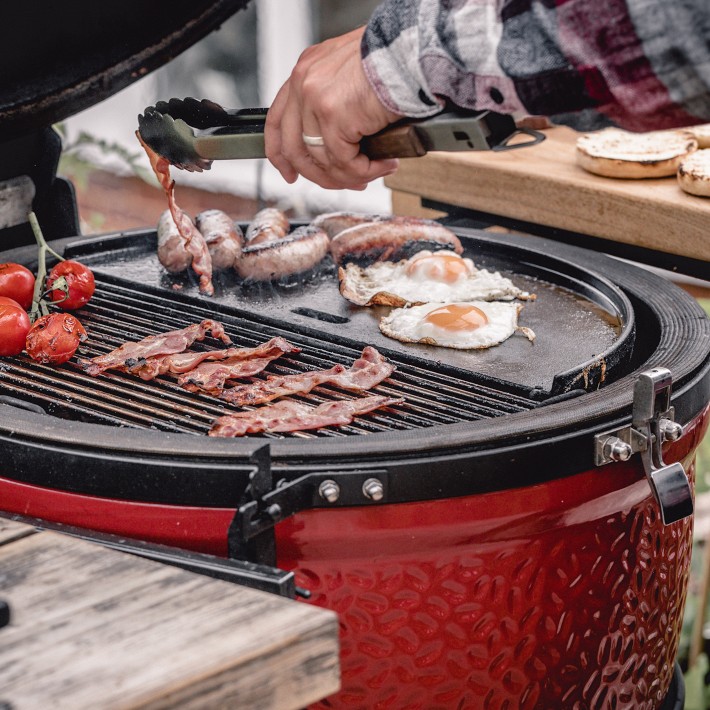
251	534
652	423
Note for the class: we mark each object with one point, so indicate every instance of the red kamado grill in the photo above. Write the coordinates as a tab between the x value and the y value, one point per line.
517	534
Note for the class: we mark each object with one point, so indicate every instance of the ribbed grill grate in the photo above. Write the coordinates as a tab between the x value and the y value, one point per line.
118	313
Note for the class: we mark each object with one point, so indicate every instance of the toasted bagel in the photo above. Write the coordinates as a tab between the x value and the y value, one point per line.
615	153
694	173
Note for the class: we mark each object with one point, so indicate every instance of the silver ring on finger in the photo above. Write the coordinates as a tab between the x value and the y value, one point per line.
313	140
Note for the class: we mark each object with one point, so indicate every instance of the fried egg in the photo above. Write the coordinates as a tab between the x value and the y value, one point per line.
470	325
427	277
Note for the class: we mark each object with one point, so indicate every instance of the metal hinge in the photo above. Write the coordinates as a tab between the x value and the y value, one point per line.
251	533
651	425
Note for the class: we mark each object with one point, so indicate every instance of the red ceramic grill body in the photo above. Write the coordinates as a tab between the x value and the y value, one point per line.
562	594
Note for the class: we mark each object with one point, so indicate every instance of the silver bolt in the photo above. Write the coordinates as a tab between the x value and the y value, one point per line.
329	491
373	489
670	431
617	450
274	512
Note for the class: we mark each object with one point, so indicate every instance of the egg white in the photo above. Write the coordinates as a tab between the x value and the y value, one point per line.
388	283
408	326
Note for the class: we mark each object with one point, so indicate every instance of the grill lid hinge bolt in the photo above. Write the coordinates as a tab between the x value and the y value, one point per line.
651	424
373	489
617	450
329	491
670	430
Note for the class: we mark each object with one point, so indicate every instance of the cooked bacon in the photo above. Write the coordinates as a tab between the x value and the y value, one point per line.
195	244
211	377
366	372
194	241
133	354
289	415
180	363
160	165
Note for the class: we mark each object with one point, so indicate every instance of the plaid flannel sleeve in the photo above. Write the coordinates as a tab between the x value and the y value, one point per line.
640	64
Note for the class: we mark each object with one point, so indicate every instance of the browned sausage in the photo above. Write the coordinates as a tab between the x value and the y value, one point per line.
268	225
391	239
270	260
224	238
335	222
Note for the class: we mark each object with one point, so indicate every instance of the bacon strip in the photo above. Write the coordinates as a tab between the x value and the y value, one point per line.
133	354
289	415
180	363
210	377
195	244
194	241
366	372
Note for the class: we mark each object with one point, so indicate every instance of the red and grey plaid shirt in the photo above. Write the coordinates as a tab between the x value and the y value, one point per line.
639	64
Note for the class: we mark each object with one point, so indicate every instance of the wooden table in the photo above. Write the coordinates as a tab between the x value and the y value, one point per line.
96	628
542	184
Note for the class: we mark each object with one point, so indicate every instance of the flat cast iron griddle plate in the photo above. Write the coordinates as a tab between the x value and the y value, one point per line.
584	324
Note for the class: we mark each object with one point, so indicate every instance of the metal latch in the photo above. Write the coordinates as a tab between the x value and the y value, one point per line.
651	424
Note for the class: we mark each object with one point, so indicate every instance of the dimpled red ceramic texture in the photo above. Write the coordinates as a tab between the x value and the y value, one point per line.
567	594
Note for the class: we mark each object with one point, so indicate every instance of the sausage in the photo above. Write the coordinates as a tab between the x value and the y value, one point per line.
172	250
271	260
224	238
335	222
391	239
268	225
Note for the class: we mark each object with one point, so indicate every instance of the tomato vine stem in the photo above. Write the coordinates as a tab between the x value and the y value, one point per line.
39	305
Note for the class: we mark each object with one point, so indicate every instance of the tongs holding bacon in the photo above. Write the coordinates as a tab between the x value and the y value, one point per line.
190	134
194	241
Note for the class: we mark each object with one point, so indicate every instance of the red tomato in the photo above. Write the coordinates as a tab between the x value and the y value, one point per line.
53	339
17	282
14	325
80	281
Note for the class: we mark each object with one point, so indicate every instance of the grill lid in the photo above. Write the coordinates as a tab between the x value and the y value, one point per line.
58	61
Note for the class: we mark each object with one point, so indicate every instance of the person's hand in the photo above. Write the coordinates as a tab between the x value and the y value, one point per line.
327	96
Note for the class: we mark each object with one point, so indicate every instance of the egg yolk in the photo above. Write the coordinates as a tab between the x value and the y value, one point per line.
457	316
447	268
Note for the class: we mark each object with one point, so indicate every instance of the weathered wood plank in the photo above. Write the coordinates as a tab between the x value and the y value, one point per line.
92	628
11	531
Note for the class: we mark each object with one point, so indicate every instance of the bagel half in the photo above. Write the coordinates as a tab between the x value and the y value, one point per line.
694	173
701	133
615	153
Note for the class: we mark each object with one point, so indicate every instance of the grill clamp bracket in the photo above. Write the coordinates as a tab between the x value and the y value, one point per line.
652	423
251	535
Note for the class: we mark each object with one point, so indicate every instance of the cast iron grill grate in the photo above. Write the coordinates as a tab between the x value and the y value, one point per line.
433	395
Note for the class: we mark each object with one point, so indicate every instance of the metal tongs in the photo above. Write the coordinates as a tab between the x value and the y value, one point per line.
190	134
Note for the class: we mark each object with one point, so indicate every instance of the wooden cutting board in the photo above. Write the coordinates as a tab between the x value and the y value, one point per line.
544	185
